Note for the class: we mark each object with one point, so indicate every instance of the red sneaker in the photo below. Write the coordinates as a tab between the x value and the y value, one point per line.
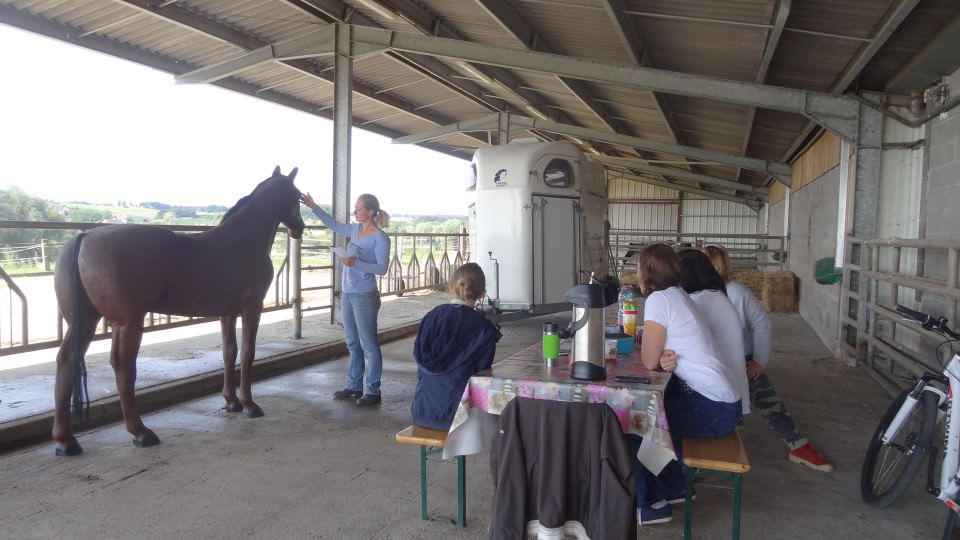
806	455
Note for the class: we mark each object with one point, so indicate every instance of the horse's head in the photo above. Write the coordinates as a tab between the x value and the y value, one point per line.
290	205
276	198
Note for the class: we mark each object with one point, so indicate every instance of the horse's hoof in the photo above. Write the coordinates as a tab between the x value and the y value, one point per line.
254	412
72	449
232	407
150	439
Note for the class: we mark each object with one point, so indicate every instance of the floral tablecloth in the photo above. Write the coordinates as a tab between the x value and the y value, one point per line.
639	407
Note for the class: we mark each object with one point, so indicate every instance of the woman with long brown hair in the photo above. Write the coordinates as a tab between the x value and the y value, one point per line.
701	399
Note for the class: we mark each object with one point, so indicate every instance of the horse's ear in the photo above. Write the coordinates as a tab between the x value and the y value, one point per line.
276	171
293	173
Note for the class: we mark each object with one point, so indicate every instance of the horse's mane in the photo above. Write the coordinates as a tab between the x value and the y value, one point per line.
243	201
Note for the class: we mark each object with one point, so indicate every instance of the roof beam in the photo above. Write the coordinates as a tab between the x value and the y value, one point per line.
779	170
318	43
175	14
682	174
837	113
430	25
514	24
780	17
750	203
633	43
853	70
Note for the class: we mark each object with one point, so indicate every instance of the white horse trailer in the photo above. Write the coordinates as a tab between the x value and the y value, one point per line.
538	223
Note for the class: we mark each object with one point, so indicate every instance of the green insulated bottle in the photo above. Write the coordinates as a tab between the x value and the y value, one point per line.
551	343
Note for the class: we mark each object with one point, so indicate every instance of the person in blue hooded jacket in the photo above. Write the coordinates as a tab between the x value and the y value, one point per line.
454	341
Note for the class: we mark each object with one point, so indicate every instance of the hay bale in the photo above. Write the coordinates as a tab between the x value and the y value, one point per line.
780	292
629	278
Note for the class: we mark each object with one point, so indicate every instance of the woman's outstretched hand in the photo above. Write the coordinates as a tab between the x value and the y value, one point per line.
307	200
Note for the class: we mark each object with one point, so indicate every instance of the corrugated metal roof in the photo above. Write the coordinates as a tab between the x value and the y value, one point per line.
405	87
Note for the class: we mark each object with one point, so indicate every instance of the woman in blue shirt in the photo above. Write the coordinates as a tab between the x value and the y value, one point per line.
368	255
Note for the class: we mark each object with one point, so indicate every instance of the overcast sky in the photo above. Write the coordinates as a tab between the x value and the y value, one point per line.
76	125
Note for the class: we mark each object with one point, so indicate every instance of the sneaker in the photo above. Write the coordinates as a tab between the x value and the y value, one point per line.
369	399
806	455
347	393
680	498
658	512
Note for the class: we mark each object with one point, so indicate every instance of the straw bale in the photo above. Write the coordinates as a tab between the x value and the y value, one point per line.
780	292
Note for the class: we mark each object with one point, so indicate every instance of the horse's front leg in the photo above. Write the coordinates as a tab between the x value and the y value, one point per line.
228	331
248	339
123	358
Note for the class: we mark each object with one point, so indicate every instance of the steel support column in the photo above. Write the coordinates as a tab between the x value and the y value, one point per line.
342	118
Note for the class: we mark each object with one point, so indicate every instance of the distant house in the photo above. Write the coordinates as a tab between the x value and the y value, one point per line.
116	219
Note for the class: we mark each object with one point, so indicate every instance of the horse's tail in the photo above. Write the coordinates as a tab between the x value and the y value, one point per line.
80	396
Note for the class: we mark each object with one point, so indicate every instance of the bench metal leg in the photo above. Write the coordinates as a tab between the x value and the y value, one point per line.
693	473
461	491
423	483
688	504
426	451
736	505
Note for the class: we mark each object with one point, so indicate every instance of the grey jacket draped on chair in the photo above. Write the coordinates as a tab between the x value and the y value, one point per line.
561	468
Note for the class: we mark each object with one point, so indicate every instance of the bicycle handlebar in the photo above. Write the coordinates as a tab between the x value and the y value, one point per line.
928	322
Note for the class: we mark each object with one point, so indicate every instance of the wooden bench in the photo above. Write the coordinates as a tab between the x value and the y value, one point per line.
720	456
431	442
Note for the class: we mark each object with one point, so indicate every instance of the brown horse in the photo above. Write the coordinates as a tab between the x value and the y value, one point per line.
123	272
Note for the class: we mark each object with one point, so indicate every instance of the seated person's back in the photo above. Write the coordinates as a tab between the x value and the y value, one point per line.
454	341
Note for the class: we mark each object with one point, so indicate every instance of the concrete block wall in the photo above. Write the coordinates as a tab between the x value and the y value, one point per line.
813	214
813	225
943	177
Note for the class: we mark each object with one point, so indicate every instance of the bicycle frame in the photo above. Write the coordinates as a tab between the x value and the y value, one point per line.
949	479
949	485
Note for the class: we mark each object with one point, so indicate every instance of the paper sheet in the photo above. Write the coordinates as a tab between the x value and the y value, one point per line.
340	252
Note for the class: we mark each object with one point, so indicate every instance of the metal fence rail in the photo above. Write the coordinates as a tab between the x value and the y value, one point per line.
763	252
881	273
29	319
418	261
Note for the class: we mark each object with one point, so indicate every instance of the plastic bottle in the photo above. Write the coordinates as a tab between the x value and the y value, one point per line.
630	315
621	298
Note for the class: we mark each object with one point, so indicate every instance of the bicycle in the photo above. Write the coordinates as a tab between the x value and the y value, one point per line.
904	436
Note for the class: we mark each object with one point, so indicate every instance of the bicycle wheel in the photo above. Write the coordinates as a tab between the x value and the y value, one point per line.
951	531
889	468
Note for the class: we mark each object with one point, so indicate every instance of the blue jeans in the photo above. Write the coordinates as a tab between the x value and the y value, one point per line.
689	414
359	311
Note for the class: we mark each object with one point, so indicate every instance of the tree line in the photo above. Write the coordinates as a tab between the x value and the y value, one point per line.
25	248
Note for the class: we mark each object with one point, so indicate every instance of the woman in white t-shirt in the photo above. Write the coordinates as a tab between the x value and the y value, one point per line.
707	289
701	398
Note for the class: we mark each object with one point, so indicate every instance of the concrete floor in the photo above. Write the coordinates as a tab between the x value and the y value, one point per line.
318	468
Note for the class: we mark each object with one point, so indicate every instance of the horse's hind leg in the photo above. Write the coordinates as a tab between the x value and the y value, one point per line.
123	358
75	342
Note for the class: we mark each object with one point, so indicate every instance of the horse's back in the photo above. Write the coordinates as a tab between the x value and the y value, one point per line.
129	270
123	267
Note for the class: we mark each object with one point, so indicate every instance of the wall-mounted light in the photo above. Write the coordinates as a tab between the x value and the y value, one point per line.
533	110
378	8
475	72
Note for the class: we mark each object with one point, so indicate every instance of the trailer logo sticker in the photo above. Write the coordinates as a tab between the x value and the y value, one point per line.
500	179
